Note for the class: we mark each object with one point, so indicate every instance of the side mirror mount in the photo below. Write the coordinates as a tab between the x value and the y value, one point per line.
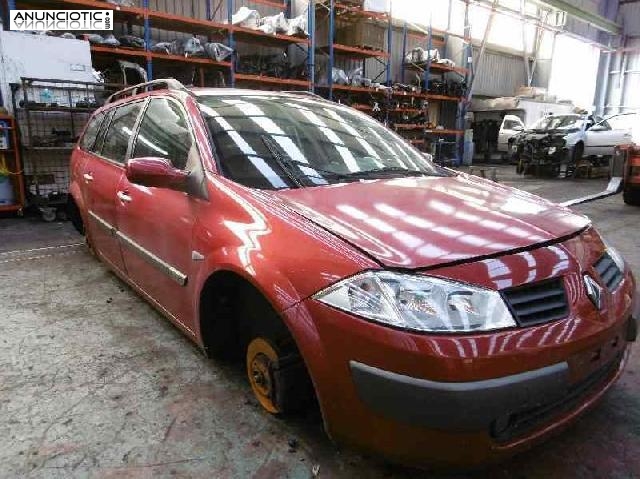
158	172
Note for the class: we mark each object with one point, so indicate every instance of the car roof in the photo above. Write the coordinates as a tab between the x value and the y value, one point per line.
206	91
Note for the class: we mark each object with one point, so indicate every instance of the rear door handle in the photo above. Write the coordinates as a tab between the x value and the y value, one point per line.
124	197
88	177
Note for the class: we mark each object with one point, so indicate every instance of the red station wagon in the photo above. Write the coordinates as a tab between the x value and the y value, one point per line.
439	318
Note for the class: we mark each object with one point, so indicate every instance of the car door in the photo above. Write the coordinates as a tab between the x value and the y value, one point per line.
101	175
156	224
83	154
511	126
621	127
601	139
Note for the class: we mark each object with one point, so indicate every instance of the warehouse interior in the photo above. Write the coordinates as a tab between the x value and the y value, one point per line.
537	97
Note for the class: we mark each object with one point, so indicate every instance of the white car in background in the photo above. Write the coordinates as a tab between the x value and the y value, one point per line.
583	135
627	121
510	127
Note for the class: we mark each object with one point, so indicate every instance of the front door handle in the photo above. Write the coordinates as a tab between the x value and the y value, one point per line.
124	197
87	177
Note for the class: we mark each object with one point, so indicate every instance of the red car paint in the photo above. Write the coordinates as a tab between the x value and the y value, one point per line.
292	243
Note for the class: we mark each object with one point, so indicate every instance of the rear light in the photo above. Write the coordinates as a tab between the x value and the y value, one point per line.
635	171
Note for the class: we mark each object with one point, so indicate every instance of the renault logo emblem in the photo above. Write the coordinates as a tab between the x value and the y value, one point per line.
594	291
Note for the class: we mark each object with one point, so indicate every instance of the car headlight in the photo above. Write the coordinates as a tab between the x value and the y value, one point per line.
551	150
419	303
615	255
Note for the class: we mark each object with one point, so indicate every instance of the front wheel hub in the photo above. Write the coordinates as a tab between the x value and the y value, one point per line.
261	360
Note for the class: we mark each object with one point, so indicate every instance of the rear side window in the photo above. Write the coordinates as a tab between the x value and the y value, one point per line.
91	132
120	131
164	133
97	145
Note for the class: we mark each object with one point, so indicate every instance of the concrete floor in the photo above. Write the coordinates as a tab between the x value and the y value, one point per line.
95	383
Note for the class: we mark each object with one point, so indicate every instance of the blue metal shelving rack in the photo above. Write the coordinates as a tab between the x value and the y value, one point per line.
362	54
427	70
148	18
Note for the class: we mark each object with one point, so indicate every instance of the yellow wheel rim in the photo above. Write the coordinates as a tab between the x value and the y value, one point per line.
260	360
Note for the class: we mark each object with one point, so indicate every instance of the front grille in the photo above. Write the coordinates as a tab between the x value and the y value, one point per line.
537	303
519	424
608	271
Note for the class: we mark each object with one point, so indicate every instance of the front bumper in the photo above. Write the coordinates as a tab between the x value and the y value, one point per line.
457	406
503	406
460	400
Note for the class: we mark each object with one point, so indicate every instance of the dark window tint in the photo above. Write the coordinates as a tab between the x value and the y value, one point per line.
120	132
164	133
91	132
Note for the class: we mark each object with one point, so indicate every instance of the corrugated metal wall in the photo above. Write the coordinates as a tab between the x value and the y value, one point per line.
624	80
580	28
629	17
499	74
623	89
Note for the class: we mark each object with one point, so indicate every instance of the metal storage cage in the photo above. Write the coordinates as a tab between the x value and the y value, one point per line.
50	115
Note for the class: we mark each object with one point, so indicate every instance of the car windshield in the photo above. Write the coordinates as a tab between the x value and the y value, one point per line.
276	141
559	122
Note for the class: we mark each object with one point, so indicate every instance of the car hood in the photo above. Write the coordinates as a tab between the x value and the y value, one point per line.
427	221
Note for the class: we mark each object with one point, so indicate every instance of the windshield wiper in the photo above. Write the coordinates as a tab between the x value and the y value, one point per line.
386	170
284	161
281	160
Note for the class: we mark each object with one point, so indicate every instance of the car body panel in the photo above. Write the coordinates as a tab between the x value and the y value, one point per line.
101	178
155	228
247	237
423	222
602	142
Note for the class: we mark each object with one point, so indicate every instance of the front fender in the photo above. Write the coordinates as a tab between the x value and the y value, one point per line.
282	254
272	284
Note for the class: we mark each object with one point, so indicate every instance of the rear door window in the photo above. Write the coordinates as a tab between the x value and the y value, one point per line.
91	132
97	145
120	132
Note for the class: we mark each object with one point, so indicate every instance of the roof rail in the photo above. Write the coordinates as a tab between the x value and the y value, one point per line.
303	93
161	83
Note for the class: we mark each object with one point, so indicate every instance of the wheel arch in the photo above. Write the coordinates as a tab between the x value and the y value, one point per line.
272	286
299	326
